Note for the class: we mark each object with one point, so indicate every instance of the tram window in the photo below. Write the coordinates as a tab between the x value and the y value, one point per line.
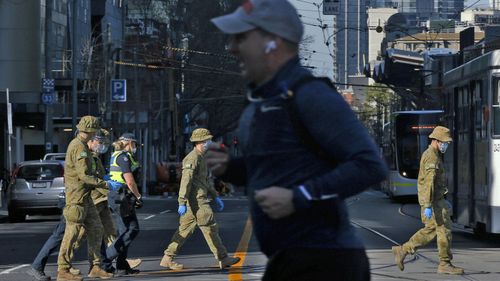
477	95
496	107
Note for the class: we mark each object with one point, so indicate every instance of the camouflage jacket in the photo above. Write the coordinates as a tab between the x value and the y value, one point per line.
99	194
431	178
195	181
78	176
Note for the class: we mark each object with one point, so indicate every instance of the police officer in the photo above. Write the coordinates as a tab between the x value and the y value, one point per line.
125	169
435	210
80	212
194	209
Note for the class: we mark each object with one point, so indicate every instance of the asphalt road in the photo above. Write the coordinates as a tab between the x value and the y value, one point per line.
381	223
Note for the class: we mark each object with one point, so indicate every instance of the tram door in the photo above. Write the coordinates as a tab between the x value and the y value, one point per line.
479	197
465	166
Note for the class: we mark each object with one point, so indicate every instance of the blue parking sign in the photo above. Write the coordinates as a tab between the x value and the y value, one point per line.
118	90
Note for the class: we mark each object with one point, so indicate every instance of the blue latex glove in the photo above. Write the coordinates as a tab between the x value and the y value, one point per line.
181	210
114	185
106	177
220	204
428	213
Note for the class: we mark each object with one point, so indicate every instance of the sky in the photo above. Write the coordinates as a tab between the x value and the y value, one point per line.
317	53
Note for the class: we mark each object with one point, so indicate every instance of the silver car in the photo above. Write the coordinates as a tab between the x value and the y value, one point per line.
35	188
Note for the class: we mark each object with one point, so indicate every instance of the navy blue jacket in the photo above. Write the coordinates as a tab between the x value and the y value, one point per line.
273	155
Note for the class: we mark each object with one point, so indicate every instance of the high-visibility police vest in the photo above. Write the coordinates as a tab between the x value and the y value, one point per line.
115	172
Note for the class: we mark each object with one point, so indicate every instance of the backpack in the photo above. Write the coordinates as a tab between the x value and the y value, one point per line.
299	127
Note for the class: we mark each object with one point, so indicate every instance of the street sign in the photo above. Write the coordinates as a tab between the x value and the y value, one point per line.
48	85
48	98
118	90
331	7
48	146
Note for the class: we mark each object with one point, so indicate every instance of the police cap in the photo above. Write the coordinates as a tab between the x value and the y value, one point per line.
128	137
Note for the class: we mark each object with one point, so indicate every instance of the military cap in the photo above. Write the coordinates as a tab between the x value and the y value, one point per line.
200	134
441	133
128	137
88	124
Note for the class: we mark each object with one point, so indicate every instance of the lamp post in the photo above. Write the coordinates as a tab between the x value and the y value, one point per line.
74	89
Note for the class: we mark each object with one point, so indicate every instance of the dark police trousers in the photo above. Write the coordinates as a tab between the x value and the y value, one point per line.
51	246
128	228
309	264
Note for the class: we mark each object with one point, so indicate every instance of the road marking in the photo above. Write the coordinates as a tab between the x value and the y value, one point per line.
147	218
12	269
235	274
164	212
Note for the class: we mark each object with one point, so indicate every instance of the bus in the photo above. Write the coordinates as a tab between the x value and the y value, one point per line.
472	112
405	138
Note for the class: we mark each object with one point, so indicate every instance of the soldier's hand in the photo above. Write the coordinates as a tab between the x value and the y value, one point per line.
428	213
114	185
220	204
275	201
217	158
181	210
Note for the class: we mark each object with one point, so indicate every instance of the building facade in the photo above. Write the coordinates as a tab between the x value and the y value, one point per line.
43	50
350	40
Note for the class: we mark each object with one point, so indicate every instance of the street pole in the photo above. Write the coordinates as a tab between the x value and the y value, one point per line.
136	93
74	89
9	128
48	74
172	108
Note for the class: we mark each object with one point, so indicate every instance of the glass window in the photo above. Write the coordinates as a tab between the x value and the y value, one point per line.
495	107
40	172
412	139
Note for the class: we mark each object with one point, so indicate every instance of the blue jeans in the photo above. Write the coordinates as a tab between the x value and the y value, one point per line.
128	228
51	246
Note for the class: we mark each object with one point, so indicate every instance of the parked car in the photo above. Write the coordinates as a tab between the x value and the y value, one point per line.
60	156
35	188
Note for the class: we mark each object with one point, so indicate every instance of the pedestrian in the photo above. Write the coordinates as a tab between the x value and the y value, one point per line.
125	170
303	151
53	243
195	195
434	209
80	212
99	145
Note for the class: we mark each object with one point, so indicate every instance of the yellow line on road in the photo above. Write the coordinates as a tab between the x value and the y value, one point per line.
235	272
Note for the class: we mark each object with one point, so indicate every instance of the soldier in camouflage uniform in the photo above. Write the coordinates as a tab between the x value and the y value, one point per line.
80	212
435	210
194	205
99	145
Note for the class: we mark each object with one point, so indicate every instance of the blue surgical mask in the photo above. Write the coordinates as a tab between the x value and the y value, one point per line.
206	144
443	146
102	148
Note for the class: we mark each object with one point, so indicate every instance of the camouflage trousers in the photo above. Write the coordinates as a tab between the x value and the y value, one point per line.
80	220
109	234
200	215
438	225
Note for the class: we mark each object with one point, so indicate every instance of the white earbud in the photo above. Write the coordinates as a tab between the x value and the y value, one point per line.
270	45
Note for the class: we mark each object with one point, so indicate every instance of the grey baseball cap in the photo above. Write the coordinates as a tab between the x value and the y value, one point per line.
278	17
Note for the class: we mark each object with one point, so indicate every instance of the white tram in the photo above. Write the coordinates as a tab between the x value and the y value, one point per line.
472	112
